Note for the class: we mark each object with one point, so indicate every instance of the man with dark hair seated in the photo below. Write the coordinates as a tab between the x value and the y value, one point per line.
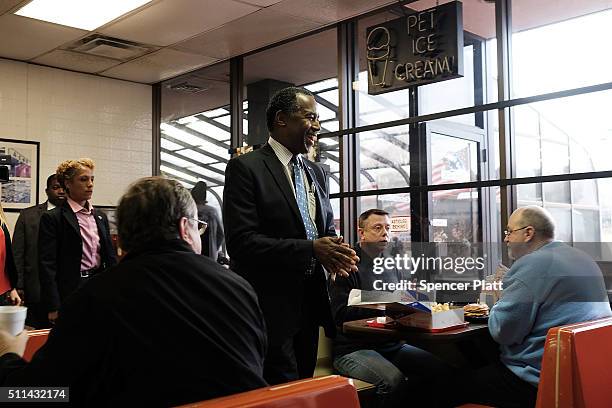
164	327
384	364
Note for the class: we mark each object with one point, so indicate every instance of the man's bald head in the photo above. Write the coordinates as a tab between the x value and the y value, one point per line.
539	218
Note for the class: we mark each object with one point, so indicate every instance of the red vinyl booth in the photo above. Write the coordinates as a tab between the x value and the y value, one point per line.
330	391
576	367
36	338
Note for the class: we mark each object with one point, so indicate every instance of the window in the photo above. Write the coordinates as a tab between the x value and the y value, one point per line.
195	134
559	47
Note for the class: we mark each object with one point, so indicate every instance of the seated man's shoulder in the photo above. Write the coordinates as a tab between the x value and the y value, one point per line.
212	271
183	268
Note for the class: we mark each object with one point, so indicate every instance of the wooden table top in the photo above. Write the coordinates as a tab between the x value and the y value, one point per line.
360	328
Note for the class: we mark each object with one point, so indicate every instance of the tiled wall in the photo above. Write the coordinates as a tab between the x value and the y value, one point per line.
77	115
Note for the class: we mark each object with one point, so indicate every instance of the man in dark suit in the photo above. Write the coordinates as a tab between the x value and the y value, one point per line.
280	233
25	251
213	239
163	328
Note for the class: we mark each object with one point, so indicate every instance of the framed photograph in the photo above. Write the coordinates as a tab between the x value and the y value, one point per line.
21	189
110	211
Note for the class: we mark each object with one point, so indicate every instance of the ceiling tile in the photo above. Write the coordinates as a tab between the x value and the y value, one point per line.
327	11
160	65
25	38
76	61
6	5
261	3
246	34
305	60
169	22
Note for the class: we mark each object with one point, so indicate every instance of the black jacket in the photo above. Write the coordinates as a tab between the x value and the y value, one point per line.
164	327
339	290
60	249
266	238
25	249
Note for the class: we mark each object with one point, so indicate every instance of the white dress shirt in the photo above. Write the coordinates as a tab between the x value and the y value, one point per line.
284	156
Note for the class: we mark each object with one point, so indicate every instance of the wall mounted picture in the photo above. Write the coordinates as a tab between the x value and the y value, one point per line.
18	173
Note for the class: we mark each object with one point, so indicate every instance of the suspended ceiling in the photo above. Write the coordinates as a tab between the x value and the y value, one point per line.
180	36
173	36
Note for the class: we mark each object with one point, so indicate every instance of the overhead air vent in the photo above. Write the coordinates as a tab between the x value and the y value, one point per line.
110	47
187	87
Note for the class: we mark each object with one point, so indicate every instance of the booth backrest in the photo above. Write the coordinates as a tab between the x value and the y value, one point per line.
577	366
331	391
36	338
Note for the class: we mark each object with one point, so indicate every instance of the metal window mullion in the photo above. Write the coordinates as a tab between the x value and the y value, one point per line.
156	129
503	26
236	98
349	146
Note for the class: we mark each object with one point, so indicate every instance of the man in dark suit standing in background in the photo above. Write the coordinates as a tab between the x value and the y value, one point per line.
25	251
280	232
213	239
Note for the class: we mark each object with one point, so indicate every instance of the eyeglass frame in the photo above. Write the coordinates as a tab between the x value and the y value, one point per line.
378	228
202	225
508	232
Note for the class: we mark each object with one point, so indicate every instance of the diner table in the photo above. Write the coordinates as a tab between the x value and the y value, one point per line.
471	345
361	328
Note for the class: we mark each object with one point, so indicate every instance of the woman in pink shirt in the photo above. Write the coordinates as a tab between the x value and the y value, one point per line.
74	239
8	270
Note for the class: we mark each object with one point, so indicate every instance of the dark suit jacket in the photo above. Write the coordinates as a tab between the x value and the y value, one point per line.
25	249
164	327
213	239
339	290
266	238
9	263
60	250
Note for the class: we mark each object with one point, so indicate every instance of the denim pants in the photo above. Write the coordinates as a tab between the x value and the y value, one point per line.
388	370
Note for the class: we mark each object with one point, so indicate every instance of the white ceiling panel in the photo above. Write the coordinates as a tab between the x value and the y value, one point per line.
6	5
187	18
24	38
328	11
314	61
163	64
246	34
76	61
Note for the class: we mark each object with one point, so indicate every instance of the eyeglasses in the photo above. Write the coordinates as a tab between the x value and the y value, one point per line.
508	232
379	228
202	225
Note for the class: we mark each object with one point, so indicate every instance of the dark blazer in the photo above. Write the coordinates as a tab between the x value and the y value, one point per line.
213	239
9	263
60	250
163	328
339	290
266	238
25	249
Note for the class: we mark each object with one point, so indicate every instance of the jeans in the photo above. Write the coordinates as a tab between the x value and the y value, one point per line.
387	369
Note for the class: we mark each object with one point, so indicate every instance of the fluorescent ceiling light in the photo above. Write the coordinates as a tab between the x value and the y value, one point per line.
84	14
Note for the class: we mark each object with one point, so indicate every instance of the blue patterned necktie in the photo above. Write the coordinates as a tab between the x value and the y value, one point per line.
302	199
